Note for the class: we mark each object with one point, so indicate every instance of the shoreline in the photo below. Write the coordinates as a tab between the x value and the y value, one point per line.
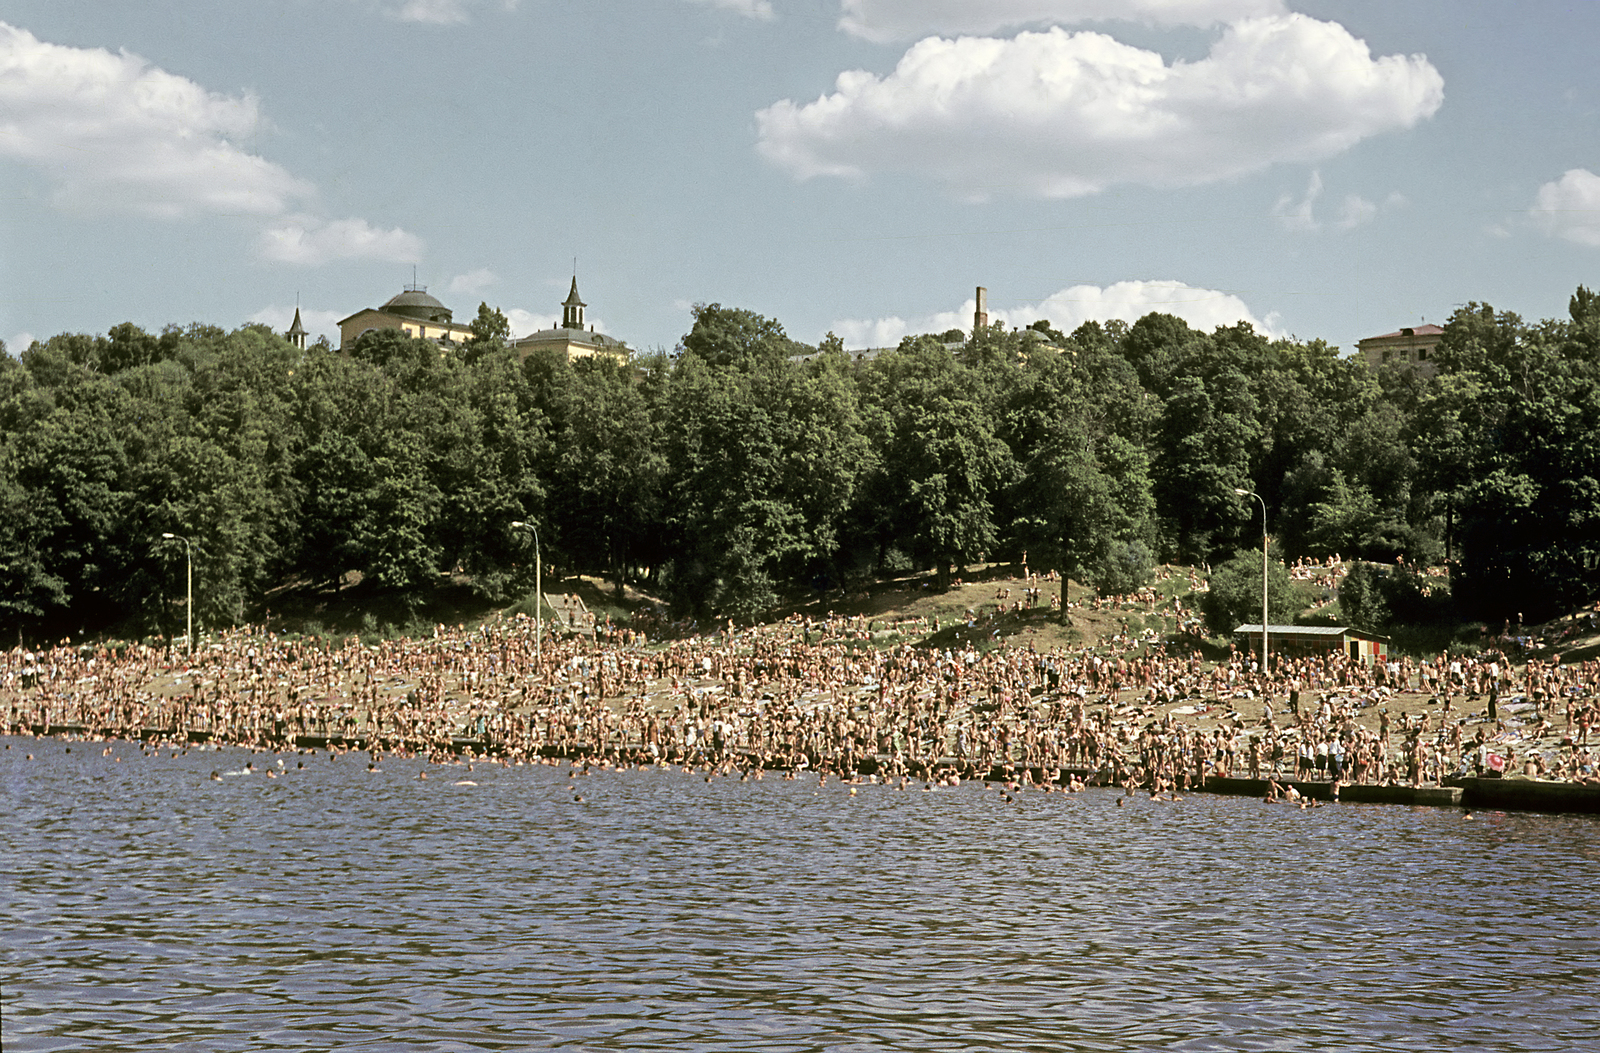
1514	793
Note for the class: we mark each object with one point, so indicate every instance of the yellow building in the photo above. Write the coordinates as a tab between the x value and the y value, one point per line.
417	314
570	337
1411	347
412	311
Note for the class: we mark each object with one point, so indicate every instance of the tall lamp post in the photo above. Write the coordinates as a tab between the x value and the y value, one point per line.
538	592
1249	493
188	552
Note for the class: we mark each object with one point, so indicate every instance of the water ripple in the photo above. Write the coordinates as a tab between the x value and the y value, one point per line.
150	907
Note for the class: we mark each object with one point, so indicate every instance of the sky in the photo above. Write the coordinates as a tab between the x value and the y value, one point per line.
1318	168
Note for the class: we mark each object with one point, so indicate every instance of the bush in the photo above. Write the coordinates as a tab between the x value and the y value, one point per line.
1391	539
897	562
1235	596
528	605
1123	567
1375	596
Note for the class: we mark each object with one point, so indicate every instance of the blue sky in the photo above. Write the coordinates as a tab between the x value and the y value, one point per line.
1323	169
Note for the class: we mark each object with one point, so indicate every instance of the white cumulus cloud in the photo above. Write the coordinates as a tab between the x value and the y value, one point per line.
1058	115
1354	210
525	322
860	333
112	132
473	282
1299	215
886	20
761	10
1128	301
309	241
1569	207
19	343
441	12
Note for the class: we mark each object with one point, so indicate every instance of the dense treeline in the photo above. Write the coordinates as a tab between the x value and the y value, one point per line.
732	474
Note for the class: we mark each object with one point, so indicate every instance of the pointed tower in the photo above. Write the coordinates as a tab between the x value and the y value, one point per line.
297	333
572	308
570	338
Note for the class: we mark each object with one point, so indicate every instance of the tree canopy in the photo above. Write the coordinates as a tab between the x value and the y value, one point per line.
748	470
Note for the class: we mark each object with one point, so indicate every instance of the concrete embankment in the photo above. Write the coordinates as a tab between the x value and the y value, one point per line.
285	740
1348	794
1531	795
1523	795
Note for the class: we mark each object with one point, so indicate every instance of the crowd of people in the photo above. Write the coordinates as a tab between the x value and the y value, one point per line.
830	695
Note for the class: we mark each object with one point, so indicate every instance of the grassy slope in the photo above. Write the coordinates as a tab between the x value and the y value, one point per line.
911	599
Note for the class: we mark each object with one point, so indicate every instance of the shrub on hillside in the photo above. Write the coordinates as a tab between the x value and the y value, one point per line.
1235	595
1123	567
1375	596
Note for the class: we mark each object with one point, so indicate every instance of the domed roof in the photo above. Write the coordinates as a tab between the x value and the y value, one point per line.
414	302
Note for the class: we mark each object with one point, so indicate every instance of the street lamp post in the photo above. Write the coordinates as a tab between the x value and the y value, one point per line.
1249	493
538	592
188	552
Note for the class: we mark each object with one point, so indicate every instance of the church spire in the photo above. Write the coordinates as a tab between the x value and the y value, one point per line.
297	333
572	308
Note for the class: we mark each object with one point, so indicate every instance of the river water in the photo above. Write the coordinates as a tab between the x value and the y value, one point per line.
149	907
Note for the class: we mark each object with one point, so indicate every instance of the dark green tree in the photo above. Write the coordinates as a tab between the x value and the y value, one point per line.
607	470
1204	445
763	463
1122	567
942	467
1234	595
490	333
369	501
732	337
